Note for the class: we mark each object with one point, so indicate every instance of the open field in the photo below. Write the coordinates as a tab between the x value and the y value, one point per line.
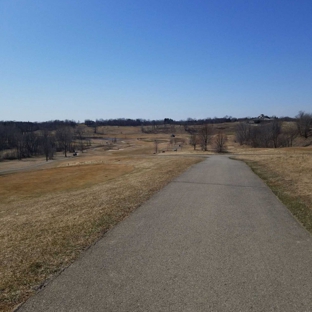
51	211
288	172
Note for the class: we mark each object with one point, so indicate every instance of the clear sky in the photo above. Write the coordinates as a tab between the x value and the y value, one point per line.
154	59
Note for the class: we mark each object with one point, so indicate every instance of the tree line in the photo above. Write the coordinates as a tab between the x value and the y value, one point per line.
258	132
25	139
273	133
147	122
159	122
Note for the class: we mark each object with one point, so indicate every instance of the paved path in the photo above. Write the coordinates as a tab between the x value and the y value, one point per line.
215	239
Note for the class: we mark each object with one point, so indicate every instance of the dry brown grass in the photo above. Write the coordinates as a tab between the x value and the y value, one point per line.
291	167
50	212
48	216
288	172
21	186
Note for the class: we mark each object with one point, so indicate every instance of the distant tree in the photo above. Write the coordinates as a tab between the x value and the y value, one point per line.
89	122
79	134
31	144
194	140
6	135
219	142
276	130
64	138
19	144
242	133
168	121
95	127
304	124
190	129
48	144
266	135
255	136
97	124
290	132
205	133
92	124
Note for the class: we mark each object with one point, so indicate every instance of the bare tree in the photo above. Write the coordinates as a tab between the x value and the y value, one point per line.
205	133
261	135
19	144
64	138
265	135
31	144
194	140
290	133
79	133
48	144
304	124
3	137
219	142
276	129
255	136
242	133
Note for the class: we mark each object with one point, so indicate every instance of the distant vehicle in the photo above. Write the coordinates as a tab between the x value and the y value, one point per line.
75	154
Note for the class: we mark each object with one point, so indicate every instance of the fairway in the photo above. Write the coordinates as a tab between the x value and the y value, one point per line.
51	211
49	214
214	239
19	186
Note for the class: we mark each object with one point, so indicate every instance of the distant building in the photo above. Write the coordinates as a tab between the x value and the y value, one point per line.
264	117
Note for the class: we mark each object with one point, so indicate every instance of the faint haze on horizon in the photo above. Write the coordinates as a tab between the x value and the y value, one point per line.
154	59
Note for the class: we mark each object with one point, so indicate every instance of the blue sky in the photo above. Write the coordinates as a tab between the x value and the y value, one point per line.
154	59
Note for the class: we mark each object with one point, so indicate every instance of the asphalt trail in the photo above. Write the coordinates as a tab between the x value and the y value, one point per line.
215	239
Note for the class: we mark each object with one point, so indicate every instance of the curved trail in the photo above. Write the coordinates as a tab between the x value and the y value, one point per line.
215	239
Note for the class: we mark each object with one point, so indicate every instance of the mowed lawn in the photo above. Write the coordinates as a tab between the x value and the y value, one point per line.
48	216
20	186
